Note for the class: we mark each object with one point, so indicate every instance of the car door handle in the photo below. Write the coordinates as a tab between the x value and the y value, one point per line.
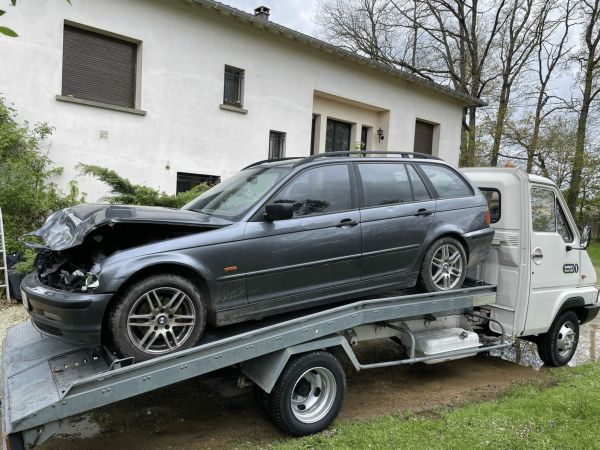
423	212
347	223
537	255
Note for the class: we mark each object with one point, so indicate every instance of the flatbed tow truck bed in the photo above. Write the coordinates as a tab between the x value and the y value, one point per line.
45	380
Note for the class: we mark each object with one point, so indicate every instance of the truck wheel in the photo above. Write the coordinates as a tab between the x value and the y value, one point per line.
444	266
157	315
309	393
558	345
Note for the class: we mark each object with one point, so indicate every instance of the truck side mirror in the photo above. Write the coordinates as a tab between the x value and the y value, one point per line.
279	211
584	242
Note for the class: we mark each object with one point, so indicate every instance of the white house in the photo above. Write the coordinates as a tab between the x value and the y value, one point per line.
173	92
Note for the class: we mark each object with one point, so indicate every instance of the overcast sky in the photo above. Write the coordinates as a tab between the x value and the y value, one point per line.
296	14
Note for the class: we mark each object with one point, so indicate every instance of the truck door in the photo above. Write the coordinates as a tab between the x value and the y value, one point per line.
553	268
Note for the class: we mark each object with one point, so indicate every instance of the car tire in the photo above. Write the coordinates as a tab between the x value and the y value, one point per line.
431	271
293	391
156	316
558	345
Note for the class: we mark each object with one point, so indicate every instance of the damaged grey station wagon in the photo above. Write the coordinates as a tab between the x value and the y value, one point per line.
279	236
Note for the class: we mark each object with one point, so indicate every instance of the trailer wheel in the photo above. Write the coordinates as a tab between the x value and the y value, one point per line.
309	393
558	345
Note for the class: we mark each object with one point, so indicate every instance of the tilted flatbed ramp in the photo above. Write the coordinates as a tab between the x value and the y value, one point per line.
46	380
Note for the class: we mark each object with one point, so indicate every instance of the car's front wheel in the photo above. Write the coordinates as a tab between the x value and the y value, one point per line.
444	266
155	316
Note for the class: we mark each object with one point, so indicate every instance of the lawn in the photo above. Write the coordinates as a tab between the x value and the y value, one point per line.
594	252
563	416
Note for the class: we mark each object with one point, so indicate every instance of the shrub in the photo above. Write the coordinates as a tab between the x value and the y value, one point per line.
27	192
125	192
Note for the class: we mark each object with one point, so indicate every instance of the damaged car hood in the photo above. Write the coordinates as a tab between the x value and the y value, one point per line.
69	227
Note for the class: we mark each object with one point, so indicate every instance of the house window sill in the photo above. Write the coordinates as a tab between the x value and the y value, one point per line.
233	108
64	98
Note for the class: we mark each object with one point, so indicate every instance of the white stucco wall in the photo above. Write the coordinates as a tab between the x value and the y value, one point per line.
184	51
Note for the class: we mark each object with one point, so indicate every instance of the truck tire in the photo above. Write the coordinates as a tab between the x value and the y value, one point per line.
444	266
558	345
309	393
157	315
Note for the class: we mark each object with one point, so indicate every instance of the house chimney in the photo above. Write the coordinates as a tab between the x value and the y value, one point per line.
262	12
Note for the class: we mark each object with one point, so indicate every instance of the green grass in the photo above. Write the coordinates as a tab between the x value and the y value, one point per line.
594	252
564	416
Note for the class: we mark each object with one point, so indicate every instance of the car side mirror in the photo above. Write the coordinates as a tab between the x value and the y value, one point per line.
279	211
584	242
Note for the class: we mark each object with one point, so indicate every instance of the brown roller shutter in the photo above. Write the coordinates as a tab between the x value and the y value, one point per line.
98	67
423	137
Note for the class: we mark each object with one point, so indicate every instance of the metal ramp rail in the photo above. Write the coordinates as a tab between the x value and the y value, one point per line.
3	265
46	380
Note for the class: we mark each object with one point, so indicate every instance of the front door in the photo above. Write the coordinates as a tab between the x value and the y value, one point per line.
337	138
312	255
396	215
553	267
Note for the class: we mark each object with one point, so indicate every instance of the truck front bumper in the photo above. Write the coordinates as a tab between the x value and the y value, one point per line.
590	312
75	317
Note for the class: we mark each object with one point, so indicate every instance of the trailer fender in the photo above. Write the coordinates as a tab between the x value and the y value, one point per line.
265	370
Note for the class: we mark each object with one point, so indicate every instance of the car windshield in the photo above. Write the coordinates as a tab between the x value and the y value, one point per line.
236	195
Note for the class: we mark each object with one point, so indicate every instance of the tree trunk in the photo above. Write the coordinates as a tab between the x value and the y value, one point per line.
467	156
498	130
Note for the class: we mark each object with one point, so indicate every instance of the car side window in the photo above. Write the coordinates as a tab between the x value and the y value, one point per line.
494	203
385	183
420	192
446	181
320	190
562	225
543	215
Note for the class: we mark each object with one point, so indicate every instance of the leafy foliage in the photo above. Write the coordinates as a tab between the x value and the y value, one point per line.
124	191
27	192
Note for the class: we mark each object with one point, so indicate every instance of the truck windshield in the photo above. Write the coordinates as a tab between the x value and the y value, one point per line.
236	195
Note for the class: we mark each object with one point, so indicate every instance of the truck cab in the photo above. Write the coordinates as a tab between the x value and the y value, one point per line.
538	257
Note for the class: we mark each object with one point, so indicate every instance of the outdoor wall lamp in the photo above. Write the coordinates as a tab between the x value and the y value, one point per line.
380	135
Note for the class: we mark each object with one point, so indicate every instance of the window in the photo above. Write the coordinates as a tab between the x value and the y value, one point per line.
276	144
423	137
337	138
446	181
493	200
385	184
420	192
233	92
543	215
320	190
562	225
98	67
186	181
364	137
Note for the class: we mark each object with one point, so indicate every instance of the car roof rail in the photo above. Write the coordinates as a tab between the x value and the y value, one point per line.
411	155
271	160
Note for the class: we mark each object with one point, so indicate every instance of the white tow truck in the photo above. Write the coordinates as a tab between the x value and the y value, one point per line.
537	283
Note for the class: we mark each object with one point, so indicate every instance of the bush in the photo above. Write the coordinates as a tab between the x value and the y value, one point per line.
125	192
27	192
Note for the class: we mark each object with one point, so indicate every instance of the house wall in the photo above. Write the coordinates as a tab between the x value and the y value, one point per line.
183	53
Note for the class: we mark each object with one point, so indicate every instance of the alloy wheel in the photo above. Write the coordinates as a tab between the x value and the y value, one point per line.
447	267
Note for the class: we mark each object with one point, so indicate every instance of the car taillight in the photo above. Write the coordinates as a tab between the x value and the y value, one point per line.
488	219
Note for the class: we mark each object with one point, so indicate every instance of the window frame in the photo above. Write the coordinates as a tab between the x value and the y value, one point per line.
240	88
431	188
545	188
491	189
361	189
282	140
258	216
137	95
557	204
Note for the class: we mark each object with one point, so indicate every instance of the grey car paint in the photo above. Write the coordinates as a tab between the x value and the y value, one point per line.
280	265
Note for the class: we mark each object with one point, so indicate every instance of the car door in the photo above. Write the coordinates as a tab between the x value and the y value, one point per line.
396	213
314	254
553	267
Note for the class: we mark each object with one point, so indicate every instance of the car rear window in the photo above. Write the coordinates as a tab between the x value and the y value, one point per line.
446	181
494	203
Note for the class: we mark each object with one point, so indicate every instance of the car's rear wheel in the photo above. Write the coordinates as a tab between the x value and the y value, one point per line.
157	315
444	266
